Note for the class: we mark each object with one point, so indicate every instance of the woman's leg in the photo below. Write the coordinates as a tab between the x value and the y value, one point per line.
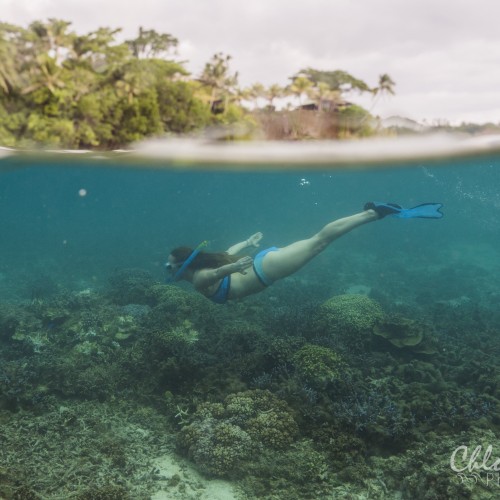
289	259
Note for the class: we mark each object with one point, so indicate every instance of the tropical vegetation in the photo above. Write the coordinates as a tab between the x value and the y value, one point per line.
69	90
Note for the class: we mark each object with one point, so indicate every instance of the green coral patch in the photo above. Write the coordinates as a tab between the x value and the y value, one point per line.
318	364
223	436
349	313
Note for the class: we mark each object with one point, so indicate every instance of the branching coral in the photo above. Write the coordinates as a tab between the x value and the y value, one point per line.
9	320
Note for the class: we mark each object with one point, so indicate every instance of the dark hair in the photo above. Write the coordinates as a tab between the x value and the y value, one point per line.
203	260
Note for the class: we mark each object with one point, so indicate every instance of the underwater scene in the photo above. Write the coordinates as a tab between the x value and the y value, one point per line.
371	372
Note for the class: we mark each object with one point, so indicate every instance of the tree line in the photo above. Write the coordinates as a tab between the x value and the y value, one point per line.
63	89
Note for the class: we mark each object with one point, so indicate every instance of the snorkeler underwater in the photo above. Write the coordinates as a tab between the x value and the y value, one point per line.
220	277
197	299
333	366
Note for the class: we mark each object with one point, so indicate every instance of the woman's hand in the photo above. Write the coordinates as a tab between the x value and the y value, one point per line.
241	264
253	241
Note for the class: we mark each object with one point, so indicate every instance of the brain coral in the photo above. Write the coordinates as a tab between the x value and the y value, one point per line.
348	314
317	364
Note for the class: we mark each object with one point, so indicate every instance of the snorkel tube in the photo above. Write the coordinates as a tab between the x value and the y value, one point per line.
177	276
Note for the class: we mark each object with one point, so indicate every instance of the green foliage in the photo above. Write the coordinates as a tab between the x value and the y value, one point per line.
336	80
149	43
70	90
180	110
81	91
140	118
354	121
216	75
9	77
48	130
11	124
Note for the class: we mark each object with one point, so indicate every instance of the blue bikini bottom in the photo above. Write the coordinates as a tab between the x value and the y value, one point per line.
222	292
257	266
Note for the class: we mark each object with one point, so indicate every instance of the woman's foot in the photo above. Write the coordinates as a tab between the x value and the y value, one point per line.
382	209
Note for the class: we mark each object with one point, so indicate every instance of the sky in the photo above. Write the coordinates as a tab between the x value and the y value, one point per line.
444	55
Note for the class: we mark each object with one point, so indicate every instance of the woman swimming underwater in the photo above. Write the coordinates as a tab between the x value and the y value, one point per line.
224	276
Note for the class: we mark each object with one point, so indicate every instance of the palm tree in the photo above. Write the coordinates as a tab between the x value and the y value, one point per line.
9	78
385	87
45	74
255	92
240	94
39	53
300	86
49	38
58	36
273	92
216	76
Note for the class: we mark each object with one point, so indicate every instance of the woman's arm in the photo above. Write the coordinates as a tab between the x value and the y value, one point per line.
253	241
206	277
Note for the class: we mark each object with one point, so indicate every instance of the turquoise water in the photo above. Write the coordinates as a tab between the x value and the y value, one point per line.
131	218
108	370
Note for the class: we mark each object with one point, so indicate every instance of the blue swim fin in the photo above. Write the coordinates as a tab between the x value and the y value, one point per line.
423	211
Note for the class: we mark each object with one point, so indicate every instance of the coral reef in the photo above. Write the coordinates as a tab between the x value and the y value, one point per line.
129	286
318	365
82	450
220	438
425	472
349	318
216	447
340	400
10	317
406	333
298	473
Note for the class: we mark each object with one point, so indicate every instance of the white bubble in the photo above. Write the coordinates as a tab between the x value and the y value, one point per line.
82	192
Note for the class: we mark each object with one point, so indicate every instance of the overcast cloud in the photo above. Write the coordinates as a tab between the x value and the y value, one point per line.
444	55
